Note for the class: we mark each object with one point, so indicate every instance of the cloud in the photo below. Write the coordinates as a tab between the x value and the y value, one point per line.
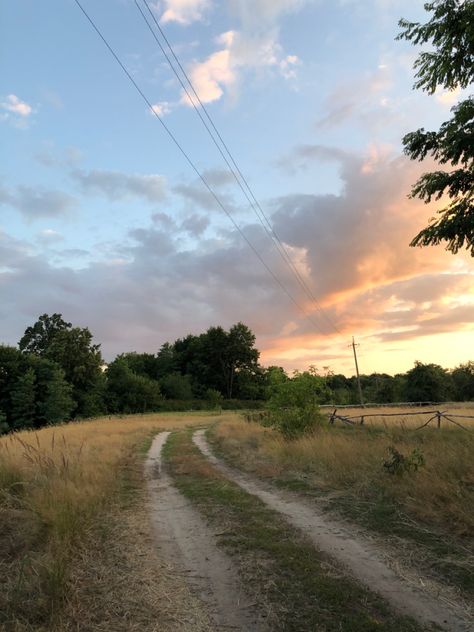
362	228
255	14
218	178
48	236
253	47
211	76
181	11
162	108
116	185
15	111
288	66
198	195
163	220
240	53
50	156
195	224
359	98
352	249
15	105
34	203
303	156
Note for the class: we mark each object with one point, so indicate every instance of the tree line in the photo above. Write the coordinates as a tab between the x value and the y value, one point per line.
57	374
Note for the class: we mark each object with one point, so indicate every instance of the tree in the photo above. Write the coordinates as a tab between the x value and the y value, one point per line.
70	348
177	386
240	354
39	336
463	379
23	400
450	66
380	388
4	427
428	382
128	392
12	365
141	363
80	360
214	358
166	360
58	403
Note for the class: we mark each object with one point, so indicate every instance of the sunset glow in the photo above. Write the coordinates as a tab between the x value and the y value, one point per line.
103	220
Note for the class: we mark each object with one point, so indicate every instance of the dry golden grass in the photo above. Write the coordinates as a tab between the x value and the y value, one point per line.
59	488
349	461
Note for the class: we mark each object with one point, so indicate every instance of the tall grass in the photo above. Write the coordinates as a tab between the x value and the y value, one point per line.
56	488
349	461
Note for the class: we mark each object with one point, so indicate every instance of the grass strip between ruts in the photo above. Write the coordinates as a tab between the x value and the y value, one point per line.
296	587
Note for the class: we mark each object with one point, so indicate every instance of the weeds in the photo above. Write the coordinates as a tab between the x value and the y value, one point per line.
400	464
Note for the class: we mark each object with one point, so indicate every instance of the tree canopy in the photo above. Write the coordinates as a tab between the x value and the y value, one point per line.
450	65
71	349
39	336
57	376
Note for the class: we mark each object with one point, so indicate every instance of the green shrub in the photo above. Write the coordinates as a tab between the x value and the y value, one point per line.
214	398
296	421
400	464
293	405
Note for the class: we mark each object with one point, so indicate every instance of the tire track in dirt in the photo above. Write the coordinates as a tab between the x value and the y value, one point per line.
360	557
188	543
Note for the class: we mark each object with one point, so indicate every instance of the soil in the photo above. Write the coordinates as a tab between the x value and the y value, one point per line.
359	556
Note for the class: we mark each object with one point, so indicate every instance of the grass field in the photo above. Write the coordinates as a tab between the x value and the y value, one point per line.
343	467
76	548
63	490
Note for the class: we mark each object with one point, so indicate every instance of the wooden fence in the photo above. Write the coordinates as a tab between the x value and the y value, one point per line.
437	416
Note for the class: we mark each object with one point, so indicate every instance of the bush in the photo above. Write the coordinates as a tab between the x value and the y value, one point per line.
214	398
294	422
293	405
400	464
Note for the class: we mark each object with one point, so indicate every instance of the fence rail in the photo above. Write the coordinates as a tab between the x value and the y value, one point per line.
438	415
386	405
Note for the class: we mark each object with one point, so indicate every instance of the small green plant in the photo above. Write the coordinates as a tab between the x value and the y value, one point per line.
214	398
400	464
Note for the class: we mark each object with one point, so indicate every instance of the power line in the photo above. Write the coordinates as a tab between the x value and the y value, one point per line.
229	160
192	165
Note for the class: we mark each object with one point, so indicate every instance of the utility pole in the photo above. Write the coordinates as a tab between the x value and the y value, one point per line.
353	345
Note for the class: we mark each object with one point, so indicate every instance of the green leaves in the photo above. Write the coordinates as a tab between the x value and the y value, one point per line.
456	227
451	65
451	32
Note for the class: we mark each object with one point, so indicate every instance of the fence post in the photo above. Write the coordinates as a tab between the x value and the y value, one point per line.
362	420
438	418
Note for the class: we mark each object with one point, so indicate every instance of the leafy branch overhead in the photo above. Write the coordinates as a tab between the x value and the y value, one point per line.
450	66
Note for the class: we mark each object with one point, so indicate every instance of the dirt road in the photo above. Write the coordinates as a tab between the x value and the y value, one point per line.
186	540
359	556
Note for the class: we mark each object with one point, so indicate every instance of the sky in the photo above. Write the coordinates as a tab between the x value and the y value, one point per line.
103	220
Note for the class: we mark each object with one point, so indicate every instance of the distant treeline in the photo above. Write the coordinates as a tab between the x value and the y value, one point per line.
57	374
